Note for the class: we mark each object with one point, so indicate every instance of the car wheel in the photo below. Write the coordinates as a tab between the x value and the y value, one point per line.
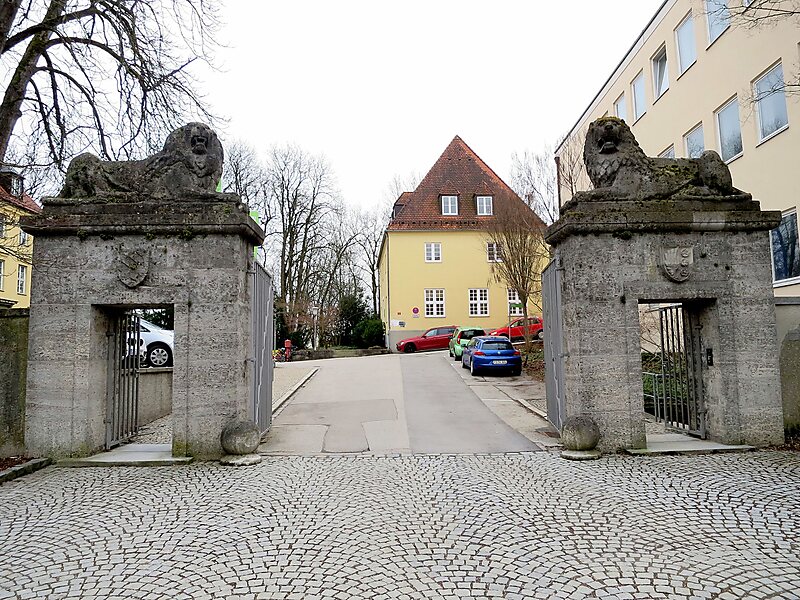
463	364
450	352
409	348
473	370
516	371
540	335
159	355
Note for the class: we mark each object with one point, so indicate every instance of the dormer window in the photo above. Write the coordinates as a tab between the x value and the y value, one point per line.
484	205
449	205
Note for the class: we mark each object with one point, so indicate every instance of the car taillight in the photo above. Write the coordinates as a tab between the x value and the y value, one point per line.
517	353
479	353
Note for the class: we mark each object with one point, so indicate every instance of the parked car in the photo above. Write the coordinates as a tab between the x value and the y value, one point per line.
158	345
461	338
491	353
535	328
436	338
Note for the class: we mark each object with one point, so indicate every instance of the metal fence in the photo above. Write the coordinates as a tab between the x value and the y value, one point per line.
263	337
122	410
553	342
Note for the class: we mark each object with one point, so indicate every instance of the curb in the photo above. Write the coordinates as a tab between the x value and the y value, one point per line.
24	469
282	400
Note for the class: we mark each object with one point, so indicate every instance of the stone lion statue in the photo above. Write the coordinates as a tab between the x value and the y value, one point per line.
614	160
191	161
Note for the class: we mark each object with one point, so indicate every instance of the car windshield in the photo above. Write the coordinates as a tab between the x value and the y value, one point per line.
497	345
153	327
470	333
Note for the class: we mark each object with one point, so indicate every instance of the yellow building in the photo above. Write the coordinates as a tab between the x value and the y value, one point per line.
699	78
436	259
16	246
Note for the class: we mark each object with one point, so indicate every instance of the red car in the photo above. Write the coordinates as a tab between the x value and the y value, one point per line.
436	338
535	328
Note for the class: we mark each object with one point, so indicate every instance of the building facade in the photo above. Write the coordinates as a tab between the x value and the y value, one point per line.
436	258
16	246
700	77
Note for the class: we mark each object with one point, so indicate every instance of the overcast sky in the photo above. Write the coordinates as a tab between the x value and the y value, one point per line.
380	88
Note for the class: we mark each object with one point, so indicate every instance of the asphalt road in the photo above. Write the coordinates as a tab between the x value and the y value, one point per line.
418	403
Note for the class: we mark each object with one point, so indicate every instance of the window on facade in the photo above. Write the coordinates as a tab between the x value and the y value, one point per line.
23	238
478	302
620	109
668	153
22	273
639	100
687	47
514	305
2	274
493	252
694	142
719	18
771	102
484	205
433	252
2	226
449	205
785	248
730	131
434	303
660	72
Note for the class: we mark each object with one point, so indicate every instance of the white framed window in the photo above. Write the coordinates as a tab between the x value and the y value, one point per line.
719	18
785	248
694	142
449	205
479	302
639	100
620	109
433	252
484	205
493	252
771	102
23	238
729	130
434	302
660	72
668	153
514	304
22	274
2	226
686	43
2	274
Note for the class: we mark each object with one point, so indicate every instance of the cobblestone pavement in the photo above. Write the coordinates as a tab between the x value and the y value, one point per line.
525	525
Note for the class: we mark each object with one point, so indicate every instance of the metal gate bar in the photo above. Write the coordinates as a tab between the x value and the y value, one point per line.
262	348
553	343
122	408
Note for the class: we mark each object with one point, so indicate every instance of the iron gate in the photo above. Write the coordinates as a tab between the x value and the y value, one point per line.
553	351
262	348
677	391
124	357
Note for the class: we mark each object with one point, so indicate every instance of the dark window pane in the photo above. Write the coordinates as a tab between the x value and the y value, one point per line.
785	251
497	346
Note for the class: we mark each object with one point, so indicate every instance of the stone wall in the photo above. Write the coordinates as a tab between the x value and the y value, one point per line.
788	317
155	394
13	369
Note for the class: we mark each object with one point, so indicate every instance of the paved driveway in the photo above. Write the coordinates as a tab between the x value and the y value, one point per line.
417	403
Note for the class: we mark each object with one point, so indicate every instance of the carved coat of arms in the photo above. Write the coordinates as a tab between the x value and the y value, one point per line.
132	266
677	262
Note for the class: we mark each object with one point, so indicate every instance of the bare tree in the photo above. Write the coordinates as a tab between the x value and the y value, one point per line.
110	75
533	178
571	176
519	235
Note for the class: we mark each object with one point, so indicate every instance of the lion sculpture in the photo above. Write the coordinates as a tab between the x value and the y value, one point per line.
191	161
614	160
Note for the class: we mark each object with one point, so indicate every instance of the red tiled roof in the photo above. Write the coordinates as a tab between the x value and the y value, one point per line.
458	171
25	203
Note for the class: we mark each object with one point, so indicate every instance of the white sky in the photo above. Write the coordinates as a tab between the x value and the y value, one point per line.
380	88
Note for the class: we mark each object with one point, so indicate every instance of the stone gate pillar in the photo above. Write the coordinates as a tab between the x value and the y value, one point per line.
148	233
666	230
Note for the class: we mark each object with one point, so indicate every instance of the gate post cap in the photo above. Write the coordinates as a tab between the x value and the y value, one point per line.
580	433
240	437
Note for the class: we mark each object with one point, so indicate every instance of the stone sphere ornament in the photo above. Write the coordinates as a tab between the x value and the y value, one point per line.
240	438
580	435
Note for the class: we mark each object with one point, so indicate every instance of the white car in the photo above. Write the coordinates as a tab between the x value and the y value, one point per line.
157	345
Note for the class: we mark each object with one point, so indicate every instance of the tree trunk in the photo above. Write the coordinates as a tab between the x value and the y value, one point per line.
10	109
8	12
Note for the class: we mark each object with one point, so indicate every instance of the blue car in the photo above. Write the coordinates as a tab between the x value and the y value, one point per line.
491	353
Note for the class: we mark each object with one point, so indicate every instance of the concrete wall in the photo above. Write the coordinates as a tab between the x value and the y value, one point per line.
155	394
13	367
788	319
725	68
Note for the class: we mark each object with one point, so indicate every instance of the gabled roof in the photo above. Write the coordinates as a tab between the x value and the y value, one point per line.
458	171
25	202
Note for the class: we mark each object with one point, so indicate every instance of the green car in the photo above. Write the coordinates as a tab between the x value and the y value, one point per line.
461	338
